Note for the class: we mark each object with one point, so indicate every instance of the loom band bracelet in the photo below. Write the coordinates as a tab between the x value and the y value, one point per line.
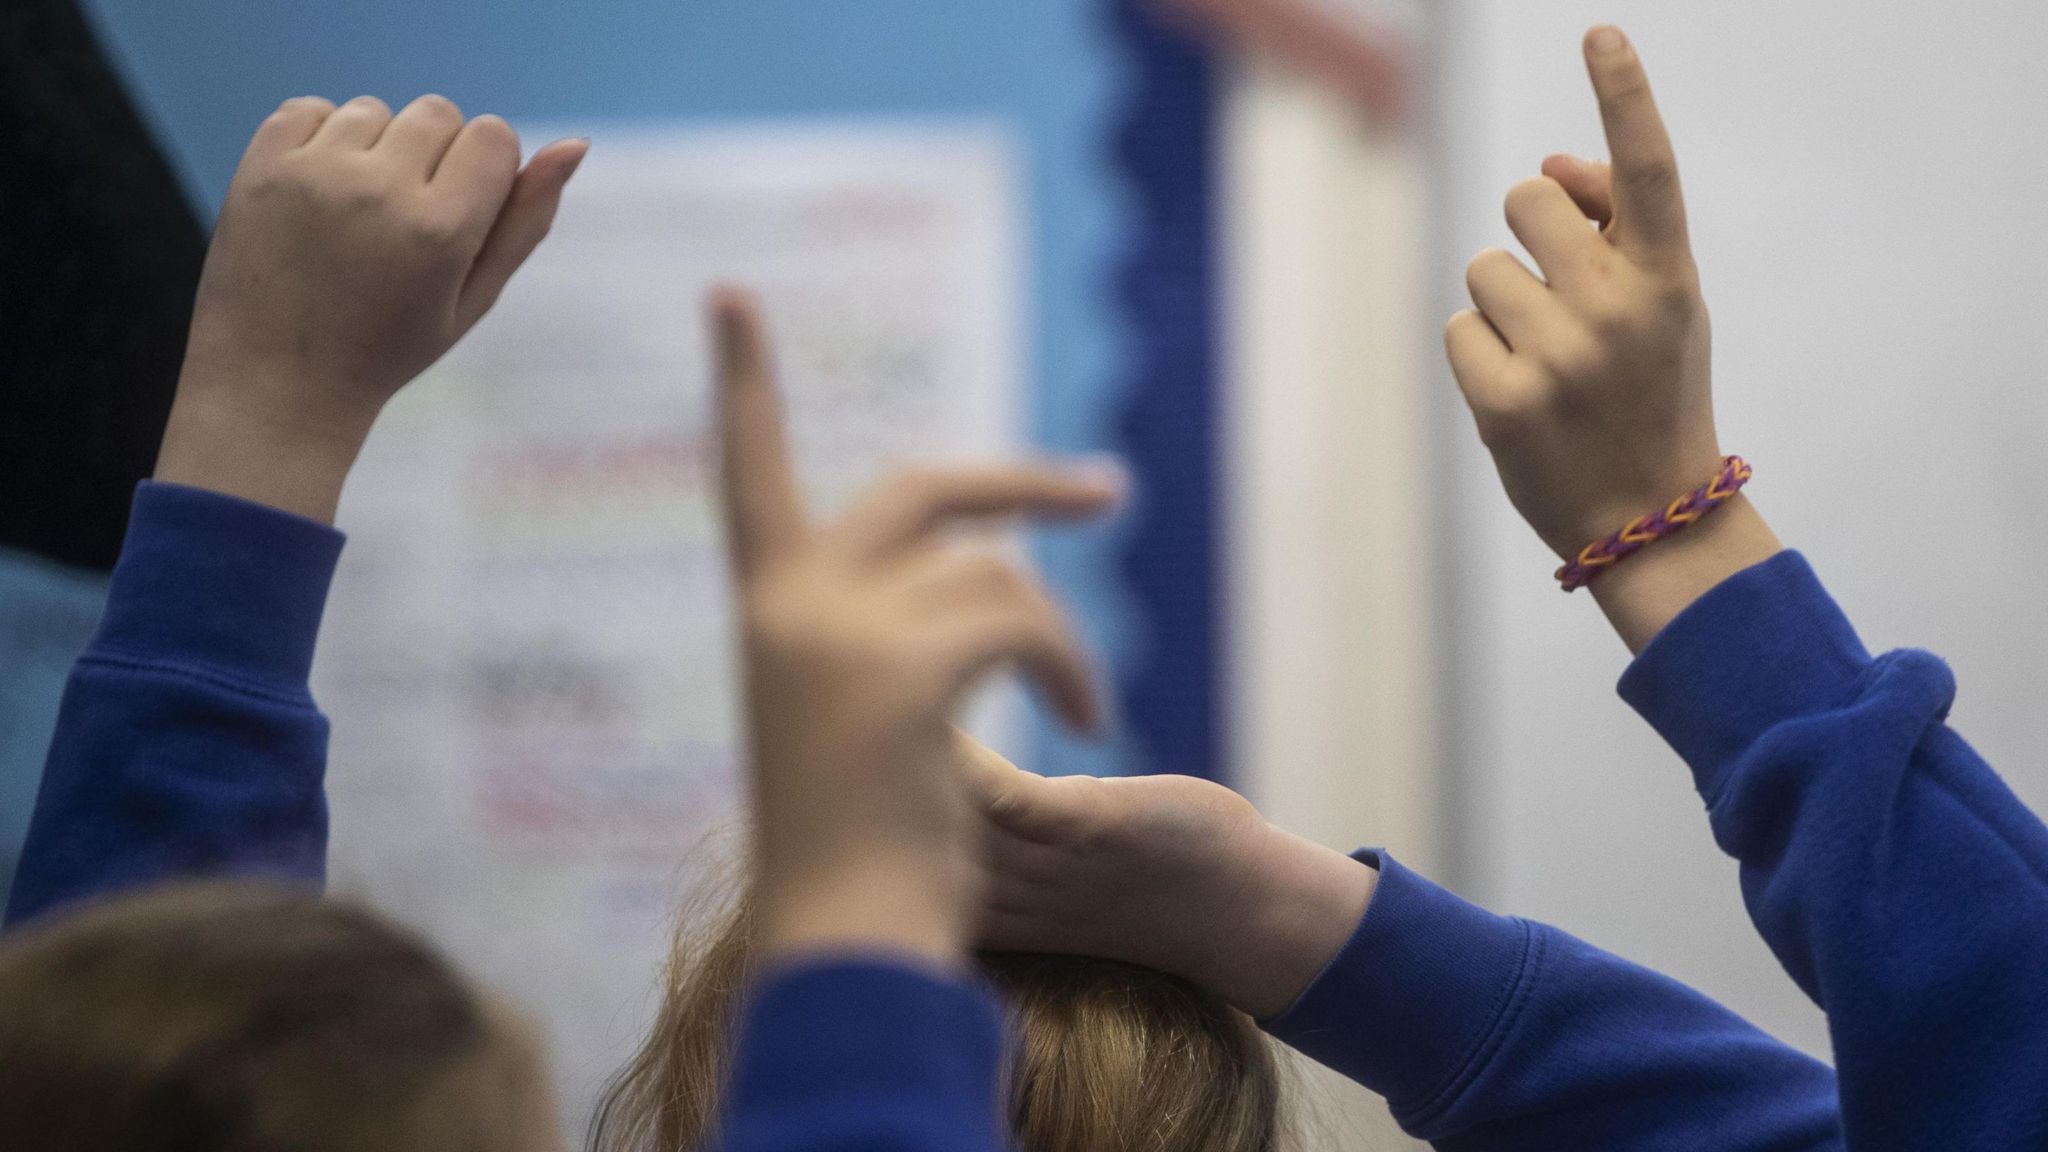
1643	531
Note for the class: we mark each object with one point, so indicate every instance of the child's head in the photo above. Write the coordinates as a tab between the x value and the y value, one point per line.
1105	1057
246	1018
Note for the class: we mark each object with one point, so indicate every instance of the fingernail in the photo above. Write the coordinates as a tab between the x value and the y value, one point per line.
578	161
1108	471
1607	39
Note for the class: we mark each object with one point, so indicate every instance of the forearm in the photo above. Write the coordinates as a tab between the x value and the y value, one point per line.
188	741
866	904
1489	1034
1900	882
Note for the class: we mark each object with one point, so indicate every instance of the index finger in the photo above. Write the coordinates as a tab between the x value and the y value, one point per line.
763	511
1649	208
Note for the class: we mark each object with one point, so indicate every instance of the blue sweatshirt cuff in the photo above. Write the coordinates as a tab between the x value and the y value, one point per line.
1764	646
845	1044
212	581
1411	1006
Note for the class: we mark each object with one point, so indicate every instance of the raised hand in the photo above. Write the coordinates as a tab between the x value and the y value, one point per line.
354	248
860	640
1592	385
1171	872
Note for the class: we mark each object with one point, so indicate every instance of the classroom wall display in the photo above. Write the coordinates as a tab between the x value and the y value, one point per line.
1107	101
529	650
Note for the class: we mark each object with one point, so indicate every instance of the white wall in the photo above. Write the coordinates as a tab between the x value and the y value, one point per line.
1866	182
1334	719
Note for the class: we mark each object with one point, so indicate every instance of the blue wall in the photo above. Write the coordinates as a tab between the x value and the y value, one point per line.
208	71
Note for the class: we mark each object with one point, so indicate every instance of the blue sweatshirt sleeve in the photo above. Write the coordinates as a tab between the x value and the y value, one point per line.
1492	1034
853	1056
187	742
1899	881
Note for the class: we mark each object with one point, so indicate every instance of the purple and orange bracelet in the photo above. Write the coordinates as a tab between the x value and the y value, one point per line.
1688	509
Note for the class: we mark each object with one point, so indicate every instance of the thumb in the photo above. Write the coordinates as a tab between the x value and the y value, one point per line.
522	224
990	775
1019	802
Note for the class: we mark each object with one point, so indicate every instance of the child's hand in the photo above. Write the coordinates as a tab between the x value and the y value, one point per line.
860	639
1170	872
354	248
1592	385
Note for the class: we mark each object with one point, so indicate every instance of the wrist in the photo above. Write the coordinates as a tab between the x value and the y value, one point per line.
1304	902
1652	587
1604	508
871	905
258	442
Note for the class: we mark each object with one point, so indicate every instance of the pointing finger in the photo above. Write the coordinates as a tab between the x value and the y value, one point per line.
1649	208
763	511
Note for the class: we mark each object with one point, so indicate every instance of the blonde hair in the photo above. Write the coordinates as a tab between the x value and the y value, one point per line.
252	1018
1104	1056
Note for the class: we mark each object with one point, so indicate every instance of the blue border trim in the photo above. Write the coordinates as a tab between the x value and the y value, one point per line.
1174	697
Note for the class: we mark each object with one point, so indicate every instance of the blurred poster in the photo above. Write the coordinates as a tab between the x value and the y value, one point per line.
527	657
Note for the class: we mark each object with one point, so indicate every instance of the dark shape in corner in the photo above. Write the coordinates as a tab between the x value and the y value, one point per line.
99	257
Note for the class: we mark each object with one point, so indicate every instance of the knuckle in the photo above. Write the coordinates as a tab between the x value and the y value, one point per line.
369	104
1506	415
1529	195
1615	315
302	104
279	180
1655	179
1676	297
1575	356
493	130
1623	91
1487	263
357	197
438	106
437	236
436	231
1467	322
1478	263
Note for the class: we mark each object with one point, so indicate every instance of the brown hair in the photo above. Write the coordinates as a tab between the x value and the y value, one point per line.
250	1018
1104	1056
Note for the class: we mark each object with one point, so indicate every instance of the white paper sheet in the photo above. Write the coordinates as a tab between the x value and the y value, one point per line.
526	654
